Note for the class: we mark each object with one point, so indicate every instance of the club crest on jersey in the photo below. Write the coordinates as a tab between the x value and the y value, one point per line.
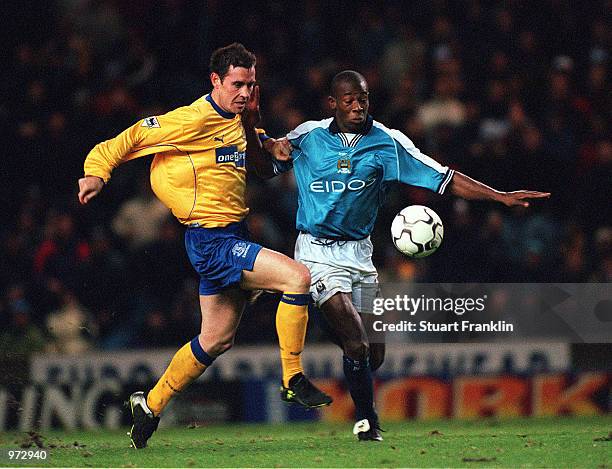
230	154
344	166
150	122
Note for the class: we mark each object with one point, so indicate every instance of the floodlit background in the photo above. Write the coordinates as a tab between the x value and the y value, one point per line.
515	94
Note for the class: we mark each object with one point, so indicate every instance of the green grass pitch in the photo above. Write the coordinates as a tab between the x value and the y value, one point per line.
555	442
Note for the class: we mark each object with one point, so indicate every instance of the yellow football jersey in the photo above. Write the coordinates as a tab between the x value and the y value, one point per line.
199	166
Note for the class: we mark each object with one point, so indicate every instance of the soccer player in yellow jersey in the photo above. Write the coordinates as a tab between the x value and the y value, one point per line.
199	172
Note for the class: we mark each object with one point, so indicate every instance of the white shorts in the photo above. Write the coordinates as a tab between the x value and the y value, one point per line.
339	266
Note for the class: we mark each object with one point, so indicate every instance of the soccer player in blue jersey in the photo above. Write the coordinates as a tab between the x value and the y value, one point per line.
343	166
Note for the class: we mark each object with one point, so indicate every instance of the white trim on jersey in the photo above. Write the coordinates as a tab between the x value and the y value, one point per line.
407	144
349	140
446	180
355	140
397	169
307	127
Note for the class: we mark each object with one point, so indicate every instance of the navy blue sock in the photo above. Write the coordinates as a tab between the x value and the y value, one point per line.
359	378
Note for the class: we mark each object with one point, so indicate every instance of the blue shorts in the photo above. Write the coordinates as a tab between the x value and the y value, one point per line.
220	255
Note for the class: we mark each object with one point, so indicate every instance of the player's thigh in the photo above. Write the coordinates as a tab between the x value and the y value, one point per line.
327	279
344	320
221	315
275	271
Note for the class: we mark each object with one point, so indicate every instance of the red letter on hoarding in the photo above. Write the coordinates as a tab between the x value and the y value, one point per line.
422	398
483	396
342	409
552	395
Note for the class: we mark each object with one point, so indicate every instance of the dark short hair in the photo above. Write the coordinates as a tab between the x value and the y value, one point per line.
235	54
347	76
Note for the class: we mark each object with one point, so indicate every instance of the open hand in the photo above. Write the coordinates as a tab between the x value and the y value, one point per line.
520	198
251	114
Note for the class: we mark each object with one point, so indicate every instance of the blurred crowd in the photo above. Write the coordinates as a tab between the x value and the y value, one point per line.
513	93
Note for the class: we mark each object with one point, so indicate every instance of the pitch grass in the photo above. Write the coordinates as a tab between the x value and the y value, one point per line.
554	442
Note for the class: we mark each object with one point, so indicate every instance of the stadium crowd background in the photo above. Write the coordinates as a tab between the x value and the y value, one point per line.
516	94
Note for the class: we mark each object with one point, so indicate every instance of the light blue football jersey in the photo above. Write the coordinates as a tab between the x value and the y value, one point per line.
342	178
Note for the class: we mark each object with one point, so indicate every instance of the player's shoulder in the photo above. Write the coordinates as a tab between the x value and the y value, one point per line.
201	108
384	132
189	112
309	126
200	114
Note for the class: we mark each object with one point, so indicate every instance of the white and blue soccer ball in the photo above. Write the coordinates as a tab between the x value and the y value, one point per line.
417	231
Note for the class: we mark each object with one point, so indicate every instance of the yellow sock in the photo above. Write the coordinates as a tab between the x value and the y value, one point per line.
291	321
186	366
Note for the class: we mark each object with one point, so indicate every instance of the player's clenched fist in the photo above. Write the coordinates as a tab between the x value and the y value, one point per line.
281	149
89	187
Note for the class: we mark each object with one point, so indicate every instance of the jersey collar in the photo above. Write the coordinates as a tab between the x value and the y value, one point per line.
334	129
221	112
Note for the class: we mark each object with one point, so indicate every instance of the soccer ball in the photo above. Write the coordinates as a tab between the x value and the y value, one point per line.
417	231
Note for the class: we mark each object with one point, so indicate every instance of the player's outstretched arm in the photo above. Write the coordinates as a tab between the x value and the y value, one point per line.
470	189
89	187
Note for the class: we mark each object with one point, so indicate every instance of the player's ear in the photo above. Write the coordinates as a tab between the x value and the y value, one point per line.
332	102
215	79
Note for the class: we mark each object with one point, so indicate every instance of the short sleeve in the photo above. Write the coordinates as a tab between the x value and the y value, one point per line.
404	162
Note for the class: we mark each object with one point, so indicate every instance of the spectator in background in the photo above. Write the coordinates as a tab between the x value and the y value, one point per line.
21	337
62	254
403	56
70	327
444	107
107	291
165	253
140	218
594	206
602	271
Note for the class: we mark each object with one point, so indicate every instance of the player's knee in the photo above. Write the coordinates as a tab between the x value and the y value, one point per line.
357	349
299	282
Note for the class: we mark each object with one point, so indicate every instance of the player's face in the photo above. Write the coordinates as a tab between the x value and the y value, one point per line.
233	92
351	105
